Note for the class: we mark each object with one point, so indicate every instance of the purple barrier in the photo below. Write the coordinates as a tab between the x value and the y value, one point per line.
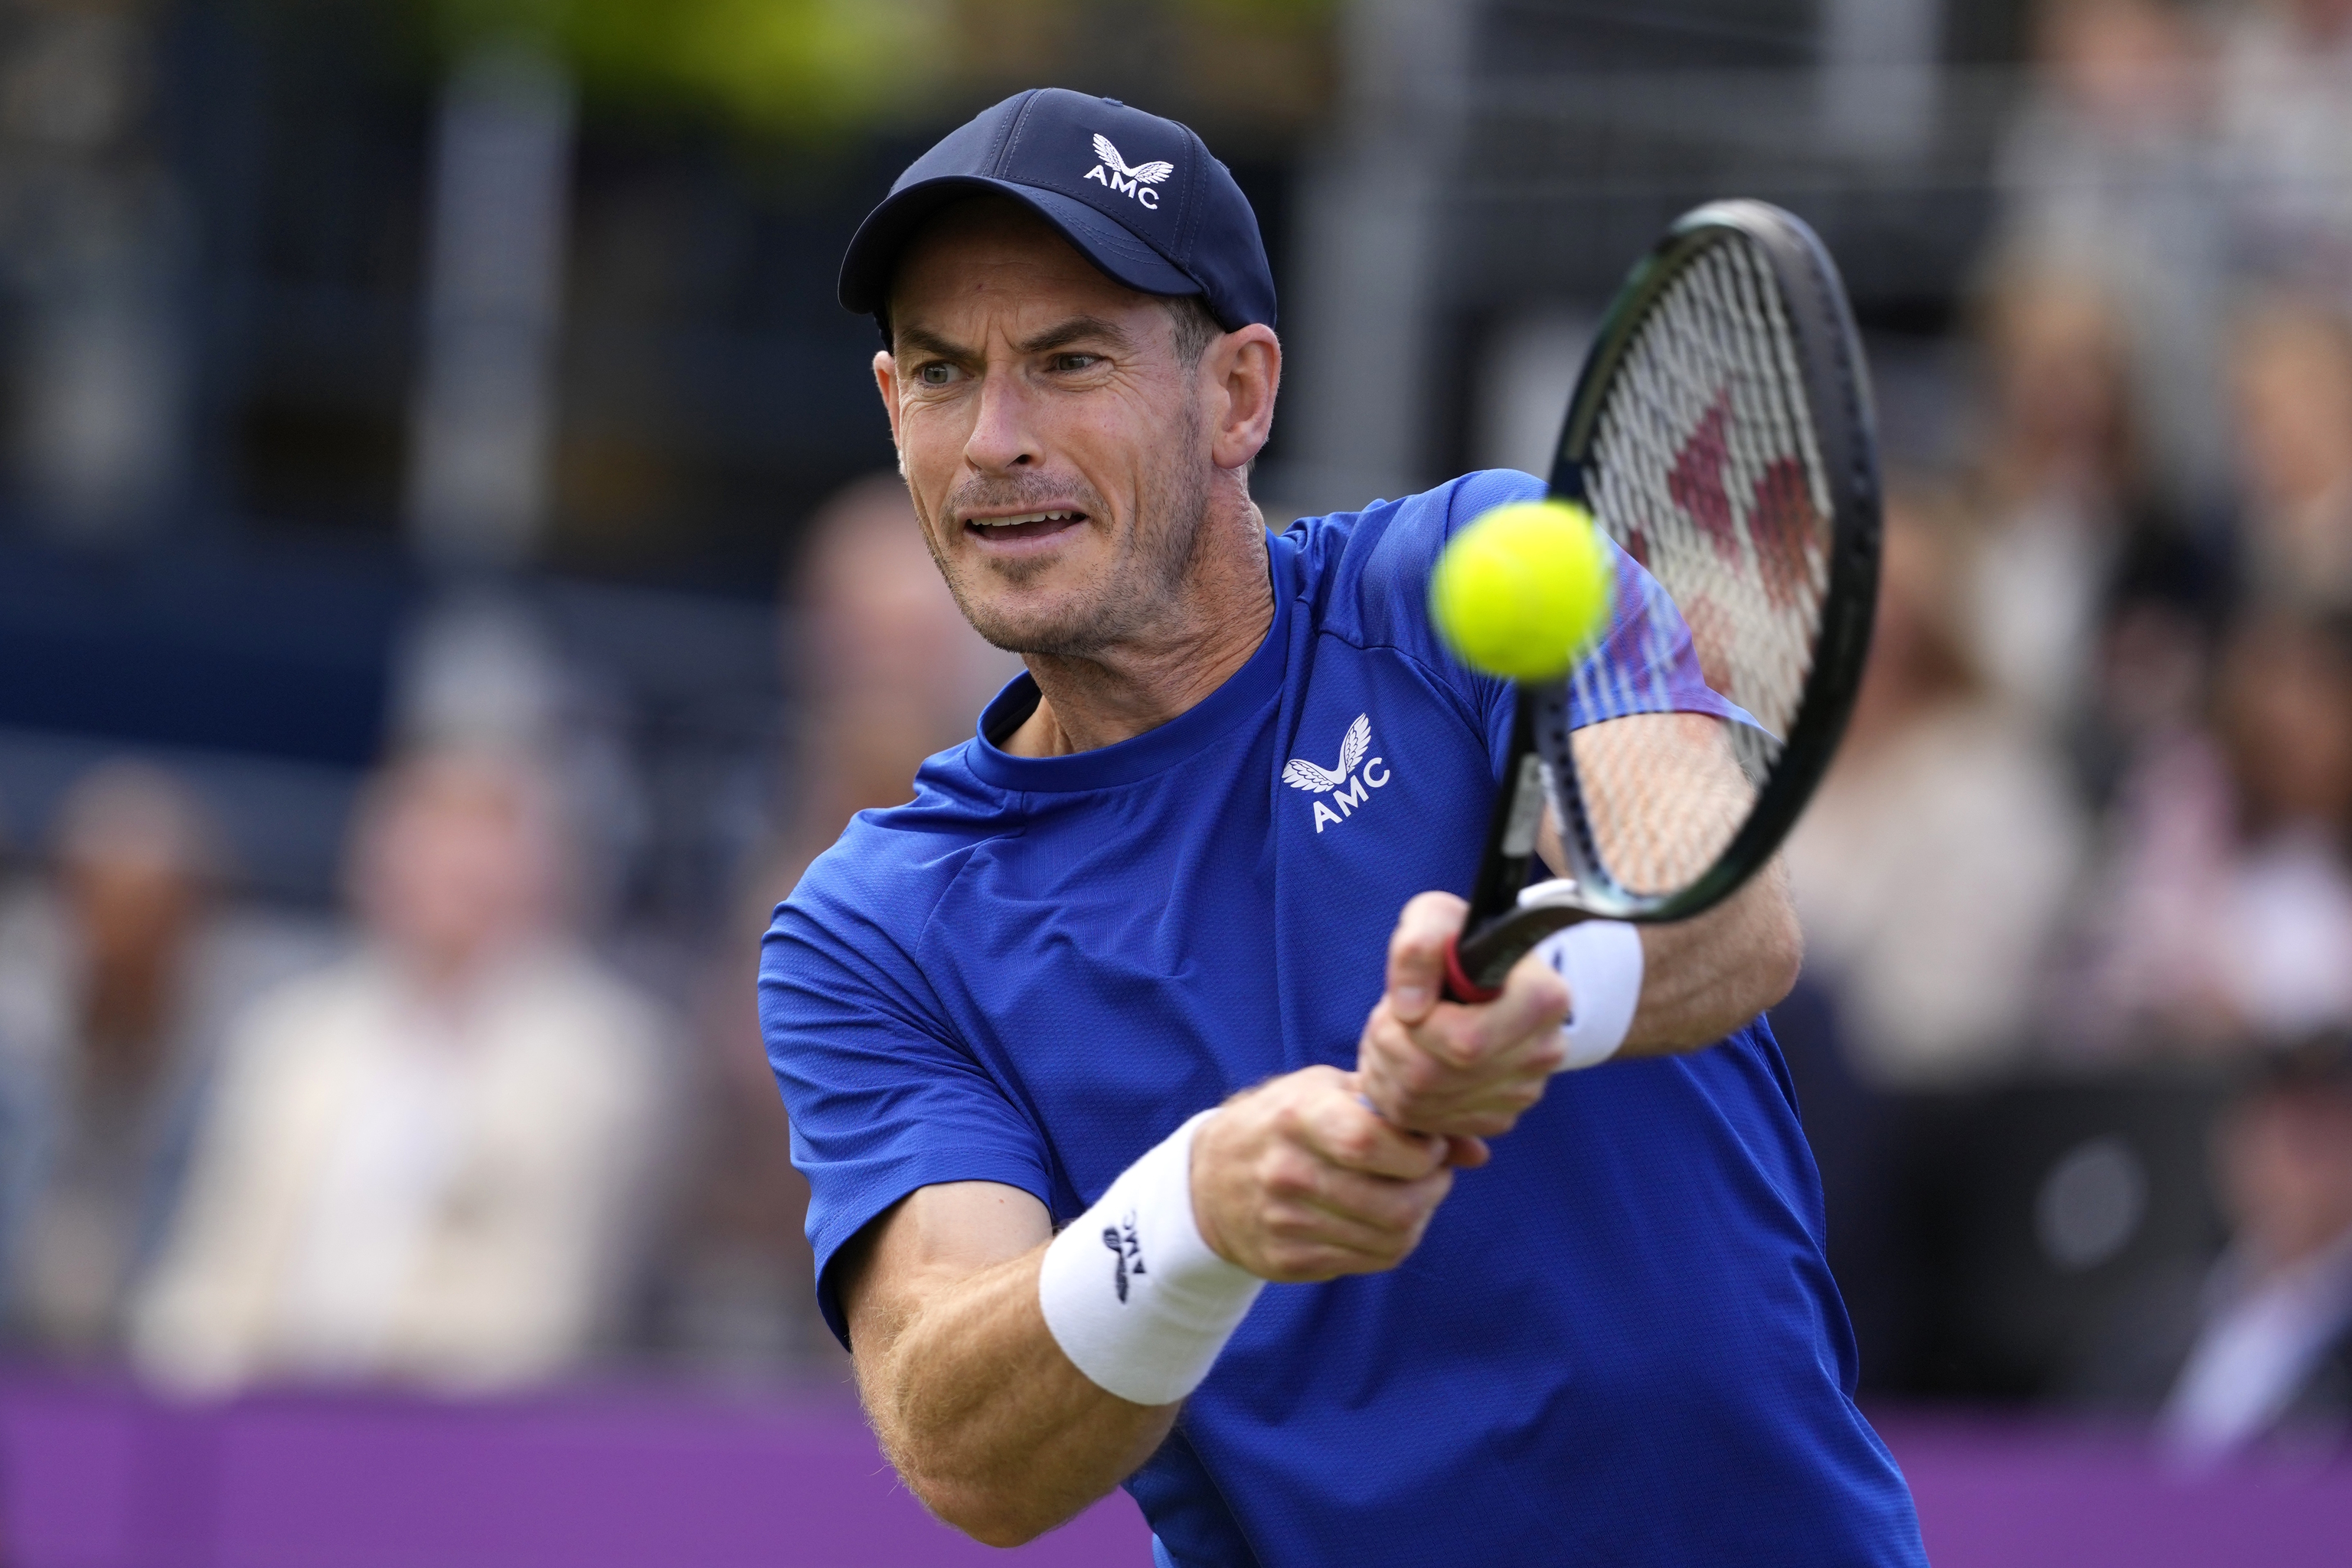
2020	1495
107	1479
98	1477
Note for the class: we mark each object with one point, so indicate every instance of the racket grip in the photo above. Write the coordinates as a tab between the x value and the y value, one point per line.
1459	987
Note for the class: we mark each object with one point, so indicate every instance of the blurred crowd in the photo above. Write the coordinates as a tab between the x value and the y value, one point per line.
2093	816
440	1138
2088	847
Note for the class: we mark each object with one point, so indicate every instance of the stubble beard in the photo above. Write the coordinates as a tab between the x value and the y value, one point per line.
1139	586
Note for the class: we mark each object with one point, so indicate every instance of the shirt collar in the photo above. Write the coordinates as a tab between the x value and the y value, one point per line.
1139	756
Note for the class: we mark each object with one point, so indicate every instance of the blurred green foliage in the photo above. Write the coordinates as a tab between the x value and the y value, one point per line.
796	67
811	68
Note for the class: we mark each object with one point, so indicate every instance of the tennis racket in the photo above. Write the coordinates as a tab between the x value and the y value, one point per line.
1721	434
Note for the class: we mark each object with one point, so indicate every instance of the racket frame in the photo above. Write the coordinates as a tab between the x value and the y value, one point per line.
1506	917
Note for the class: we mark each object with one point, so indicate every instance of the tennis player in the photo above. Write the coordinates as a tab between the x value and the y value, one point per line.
1141	1147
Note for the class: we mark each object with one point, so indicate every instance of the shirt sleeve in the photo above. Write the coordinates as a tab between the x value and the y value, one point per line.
1379	563
1645	664
883	1100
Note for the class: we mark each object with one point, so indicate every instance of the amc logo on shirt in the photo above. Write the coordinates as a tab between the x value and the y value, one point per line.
1346	785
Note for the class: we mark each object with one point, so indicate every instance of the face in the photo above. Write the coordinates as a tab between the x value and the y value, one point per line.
1913	663
902	672
458	862
130	904
2286	713
2056	359
2128	63
2292	387
1911	579
1051	435
2285	1168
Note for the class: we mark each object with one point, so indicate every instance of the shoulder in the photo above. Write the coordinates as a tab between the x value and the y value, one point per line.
352	985
891	862
306	1028
866	901
1369	570
593	1004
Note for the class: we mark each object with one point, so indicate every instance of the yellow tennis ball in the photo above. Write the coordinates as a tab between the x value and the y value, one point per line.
1524	590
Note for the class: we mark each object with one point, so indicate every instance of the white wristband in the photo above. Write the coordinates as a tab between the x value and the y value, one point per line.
1134	1297
1601	961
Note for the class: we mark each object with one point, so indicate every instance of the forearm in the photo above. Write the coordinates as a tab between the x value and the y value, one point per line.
1678	795
985	1417
988	1352
1702	978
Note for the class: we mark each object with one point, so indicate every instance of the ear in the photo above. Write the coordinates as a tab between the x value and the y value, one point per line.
1242	371
885	382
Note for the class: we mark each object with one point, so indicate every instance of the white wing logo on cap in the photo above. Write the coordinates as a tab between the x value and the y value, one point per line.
1151	173
1115	174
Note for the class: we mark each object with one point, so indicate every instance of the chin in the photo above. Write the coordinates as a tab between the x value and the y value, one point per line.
1026	616
1063	628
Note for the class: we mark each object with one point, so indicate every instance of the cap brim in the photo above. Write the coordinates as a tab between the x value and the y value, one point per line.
873	253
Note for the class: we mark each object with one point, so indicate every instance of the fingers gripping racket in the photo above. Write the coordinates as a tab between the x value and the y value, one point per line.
1721	434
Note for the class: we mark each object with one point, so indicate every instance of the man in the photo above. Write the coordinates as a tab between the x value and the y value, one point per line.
425	1162
2268	1356
1110	971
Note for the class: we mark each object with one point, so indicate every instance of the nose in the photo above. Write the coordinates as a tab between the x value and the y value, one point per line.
1002	437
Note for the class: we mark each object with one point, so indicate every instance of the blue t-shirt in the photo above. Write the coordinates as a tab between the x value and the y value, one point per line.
1618	1343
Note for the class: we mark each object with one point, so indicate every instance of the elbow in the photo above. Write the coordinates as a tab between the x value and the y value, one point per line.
983	1514
1005	1533
1779	955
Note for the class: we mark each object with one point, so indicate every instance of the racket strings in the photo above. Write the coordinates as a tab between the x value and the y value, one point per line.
1706	468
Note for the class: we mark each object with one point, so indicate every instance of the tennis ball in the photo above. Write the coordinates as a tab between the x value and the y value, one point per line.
1524	590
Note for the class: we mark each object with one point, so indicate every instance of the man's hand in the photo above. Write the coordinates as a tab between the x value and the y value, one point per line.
1463	1072
1299	1180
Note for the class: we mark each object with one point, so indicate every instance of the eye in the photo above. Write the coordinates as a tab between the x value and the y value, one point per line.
937	373
1072	362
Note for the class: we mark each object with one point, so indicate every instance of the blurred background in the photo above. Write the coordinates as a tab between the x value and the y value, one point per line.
430	460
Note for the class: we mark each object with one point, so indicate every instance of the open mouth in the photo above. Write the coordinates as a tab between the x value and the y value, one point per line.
1023	525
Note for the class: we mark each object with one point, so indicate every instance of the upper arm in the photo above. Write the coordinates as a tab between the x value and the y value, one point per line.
931	1240
884	1098
1664	793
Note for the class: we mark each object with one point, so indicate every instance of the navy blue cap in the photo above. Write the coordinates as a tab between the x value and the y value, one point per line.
1138	196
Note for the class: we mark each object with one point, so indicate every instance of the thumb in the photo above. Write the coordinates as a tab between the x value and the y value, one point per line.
1467	1154
1417	954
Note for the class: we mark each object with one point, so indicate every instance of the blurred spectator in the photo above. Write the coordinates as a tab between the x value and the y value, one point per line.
2273	1347
2059	486
1933	864
2260	1347
887	671
2292	390
2224	915
2109	176
2286	135
428	1163
117	977
887	668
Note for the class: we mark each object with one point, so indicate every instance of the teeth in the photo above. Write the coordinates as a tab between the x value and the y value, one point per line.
1026	517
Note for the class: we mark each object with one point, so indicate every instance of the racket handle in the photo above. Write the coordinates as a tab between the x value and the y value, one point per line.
1459	987
1497	945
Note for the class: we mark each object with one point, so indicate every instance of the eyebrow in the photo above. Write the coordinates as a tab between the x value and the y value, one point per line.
920	341
1078	329
1062	334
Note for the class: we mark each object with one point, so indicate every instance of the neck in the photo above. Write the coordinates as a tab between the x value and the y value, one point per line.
448	977
1215	623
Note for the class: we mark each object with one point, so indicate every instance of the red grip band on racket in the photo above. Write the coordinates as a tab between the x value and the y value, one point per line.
1458	983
